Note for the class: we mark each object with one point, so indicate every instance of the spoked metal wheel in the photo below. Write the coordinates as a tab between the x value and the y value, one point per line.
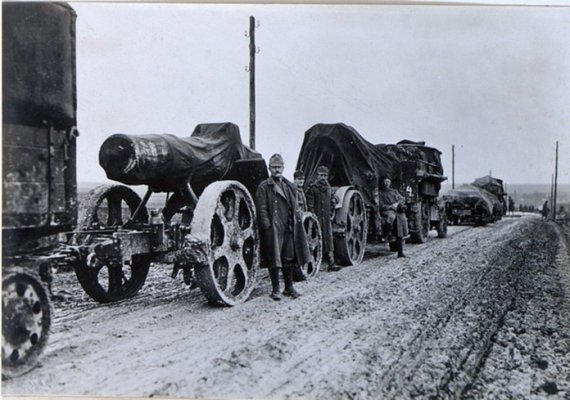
109	206
103	280
106	281
315	242
350	248
420	230
26	318
225	220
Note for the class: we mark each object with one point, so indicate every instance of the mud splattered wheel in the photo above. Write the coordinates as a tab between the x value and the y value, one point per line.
107	282
109	206
350	247
420	231
315	242
225	220
26	318
104	281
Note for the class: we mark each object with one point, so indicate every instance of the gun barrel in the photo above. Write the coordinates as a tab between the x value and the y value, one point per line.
138	159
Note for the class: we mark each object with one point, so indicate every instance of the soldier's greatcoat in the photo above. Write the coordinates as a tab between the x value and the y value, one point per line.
280	223
387	197
319	202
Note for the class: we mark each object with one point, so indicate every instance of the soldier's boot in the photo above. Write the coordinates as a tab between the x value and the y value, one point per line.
288	278
400	245
332	267
275	289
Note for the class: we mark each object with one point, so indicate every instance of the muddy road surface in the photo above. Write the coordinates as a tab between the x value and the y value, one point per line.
484	313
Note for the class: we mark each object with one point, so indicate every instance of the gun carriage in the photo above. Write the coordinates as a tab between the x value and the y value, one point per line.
207	228
356	167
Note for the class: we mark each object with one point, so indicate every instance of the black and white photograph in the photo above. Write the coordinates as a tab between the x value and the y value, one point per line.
286	201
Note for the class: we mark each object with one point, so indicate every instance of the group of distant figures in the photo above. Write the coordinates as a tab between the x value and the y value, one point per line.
545	211
522	207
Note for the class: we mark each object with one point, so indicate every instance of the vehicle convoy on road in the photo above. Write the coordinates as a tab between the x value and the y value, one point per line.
207	228
479	203
39	183
356	168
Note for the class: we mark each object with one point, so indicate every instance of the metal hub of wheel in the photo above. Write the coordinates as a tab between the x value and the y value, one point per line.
26	320
225	219
315	242
110	280
350	248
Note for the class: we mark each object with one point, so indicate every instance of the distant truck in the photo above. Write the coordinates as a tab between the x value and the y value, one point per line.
479	203
356	169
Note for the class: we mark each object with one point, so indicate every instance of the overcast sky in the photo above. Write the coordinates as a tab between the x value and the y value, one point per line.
494	81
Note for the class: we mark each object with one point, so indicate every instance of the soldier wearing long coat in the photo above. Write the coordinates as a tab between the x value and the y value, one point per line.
299	180
320	202
391	202
283	239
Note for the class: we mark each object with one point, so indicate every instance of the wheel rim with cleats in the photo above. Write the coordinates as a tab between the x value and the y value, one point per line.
350	248
225	220
315	242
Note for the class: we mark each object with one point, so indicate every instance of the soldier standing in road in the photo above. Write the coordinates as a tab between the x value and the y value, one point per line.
511	206
391	208
321	203
545	209
299	180
283	239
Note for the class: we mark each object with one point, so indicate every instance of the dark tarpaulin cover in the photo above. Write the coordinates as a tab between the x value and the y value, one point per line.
38	64
407	150
493	185
469	195
351	159
164	161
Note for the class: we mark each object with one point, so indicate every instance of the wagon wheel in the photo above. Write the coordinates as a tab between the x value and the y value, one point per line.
105	281
349	249
26	318
315	242
225	219
421	224
109	206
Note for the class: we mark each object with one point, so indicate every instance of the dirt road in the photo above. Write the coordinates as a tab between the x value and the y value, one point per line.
484	313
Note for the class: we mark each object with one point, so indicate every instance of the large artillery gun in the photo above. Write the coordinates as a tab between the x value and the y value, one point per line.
207	228
356	168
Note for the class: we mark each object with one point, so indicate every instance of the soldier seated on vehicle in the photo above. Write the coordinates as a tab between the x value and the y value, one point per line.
392	210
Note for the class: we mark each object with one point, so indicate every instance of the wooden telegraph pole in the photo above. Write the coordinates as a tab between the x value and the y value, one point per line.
252	51
453	166
555	184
